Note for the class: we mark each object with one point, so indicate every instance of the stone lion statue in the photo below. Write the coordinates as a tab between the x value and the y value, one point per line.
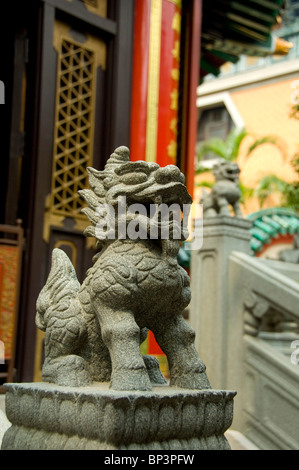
225	191
94	330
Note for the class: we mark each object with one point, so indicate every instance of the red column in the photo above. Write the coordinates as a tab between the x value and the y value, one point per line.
192	84
169	84
167	35
156	36
140	79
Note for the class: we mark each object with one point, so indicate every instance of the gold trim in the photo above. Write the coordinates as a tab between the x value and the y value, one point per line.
174	97
176	51
177	22
282	47
175	74
51	220
172	149
82	150
98	47
100	7
153	80
177	3
54	220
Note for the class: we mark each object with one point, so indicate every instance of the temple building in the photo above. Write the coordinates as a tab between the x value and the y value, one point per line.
82	77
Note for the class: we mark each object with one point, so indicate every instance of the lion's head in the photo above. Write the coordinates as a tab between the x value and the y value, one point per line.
226	170
139	182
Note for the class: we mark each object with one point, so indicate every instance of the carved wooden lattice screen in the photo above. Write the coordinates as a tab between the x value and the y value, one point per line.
73	132
79	56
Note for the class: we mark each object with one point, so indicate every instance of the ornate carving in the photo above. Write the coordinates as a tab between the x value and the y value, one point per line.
291	255
96	418
94	330
225	191
73	128
255	308
262	317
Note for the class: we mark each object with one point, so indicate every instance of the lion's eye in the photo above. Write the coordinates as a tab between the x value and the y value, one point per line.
133	178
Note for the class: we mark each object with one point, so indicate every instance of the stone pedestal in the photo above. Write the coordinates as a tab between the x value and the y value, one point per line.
209	270
47	416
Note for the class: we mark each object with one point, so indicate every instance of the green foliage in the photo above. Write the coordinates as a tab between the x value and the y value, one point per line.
246	193
294	113
233	143
275	140
268	185
227	149
262	140
205	184
295	163
289	191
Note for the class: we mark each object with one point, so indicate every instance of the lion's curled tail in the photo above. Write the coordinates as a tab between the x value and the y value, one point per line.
61	287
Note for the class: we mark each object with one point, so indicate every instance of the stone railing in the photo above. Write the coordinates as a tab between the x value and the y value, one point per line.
246	315
265	306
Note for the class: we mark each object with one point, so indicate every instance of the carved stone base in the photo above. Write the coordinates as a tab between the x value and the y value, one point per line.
47	416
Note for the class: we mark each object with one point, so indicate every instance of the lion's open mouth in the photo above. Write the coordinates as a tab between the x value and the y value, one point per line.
171	193
232	175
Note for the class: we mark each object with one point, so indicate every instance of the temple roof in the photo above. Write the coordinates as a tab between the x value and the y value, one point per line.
234	28
269	224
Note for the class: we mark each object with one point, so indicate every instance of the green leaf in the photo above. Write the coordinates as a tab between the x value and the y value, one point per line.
245	192
261	141
206	184
269	184
275	140
233	142
214	145
228	149
201	169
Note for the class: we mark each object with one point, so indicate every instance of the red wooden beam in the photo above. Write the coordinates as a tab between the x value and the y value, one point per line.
140	80
193	82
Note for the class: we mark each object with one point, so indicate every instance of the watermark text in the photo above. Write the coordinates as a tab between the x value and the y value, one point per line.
295	353
151	221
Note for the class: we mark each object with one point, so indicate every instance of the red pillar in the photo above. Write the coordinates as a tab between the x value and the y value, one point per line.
155	85
140	79
192	82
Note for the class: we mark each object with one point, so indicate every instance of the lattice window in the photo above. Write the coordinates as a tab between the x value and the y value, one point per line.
73	129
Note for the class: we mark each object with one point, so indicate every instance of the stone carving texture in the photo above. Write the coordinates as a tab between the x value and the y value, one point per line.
225	191
255	309
99	418
261	316
291	255
98	391
94	330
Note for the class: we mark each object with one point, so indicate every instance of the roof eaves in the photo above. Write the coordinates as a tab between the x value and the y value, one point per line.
233	29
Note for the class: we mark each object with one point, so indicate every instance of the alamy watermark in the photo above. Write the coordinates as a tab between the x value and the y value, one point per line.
2	93
295	353
153	221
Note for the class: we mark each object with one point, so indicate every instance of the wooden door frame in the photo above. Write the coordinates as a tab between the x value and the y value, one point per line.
118	34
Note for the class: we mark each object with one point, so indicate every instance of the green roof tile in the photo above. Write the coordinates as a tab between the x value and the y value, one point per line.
267	224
